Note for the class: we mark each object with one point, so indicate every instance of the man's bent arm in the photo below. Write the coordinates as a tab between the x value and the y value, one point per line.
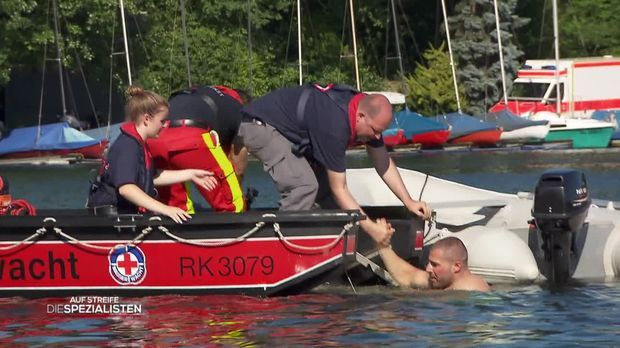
387	170
404	273
239	157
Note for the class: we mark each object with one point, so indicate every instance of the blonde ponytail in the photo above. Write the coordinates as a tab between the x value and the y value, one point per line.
142	102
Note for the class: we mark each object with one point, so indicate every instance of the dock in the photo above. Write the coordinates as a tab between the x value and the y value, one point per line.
48	161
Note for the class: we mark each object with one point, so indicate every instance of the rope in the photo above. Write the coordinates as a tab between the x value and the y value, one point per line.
79	63
43	77
241	238
111	80
39	232
139	238
256	228
74	240
431	222
423	187
345	229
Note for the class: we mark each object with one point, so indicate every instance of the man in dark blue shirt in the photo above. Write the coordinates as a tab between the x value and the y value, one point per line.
301	135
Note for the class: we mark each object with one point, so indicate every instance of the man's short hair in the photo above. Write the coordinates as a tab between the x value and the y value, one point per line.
453	249
371	104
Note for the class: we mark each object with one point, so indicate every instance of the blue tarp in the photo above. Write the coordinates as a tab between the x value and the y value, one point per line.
509	121
463	124
55	136
100	133
413	123
609	116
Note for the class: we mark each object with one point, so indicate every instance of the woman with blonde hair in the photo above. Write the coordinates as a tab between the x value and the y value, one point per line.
127	177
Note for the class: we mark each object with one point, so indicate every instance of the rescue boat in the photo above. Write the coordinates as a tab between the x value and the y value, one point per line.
57	253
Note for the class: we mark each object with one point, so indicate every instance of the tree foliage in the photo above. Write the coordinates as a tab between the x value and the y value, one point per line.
217	34
431	88
587	28
476	49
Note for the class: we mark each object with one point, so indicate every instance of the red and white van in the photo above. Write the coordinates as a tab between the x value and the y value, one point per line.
586	85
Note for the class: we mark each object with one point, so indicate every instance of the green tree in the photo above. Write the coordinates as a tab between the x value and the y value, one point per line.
476	52
22	34
589	28
431	89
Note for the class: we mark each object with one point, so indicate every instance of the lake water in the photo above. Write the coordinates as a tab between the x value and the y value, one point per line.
585	315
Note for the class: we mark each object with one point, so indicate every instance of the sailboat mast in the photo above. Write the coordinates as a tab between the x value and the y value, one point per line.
107	132
187	60
59	57
556	45
357	69
301	78
456	87
250	59
397	39
501	53
125	41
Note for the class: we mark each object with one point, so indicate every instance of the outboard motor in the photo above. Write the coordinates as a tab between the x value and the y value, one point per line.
561	203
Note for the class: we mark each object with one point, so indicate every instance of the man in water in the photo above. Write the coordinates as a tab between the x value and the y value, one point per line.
446	269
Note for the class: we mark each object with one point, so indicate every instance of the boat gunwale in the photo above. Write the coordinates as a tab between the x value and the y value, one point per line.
81	218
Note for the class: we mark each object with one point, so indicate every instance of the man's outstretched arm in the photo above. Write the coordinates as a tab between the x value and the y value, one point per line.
387	170
404	273
380	233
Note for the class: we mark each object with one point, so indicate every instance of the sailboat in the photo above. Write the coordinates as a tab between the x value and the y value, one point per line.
56	138
584	133
464	128
111	131
408	126
565	125
515	128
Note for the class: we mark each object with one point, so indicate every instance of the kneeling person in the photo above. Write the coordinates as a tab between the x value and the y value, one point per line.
202	133
446	269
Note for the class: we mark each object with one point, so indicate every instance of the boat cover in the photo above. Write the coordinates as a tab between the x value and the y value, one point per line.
509	121
54	136
463	124
101	132
413	123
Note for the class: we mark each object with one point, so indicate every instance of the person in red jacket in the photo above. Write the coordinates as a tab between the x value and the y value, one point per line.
202	133
127	177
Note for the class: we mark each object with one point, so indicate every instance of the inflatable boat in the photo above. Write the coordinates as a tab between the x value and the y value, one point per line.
557	233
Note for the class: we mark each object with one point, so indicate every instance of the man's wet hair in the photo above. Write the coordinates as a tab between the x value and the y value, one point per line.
453	249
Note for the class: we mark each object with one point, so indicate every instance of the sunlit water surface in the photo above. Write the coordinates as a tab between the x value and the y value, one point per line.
585	315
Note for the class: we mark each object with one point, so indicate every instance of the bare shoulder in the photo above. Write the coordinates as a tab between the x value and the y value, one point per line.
471	283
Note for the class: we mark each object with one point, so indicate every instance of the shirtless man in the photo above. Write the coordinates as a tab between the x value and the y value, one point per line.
446	269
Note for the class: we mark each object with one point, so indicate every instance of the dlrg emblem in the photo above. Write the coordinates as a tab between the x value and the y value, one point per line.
127	264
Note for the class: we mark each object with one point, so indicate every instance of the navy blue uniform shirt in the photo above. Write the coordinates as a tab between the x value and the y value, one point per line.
326	125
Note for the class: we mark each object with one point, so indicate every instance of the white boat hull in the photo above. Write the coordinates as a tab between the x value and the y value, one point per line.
534	133
494	226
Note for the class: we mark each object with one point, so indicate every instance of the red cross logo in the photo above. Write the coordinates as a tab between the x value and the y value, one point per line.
127	263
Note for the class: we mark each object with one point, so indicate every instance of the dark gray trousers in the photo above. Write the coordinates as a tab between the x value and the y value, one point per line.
293	176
